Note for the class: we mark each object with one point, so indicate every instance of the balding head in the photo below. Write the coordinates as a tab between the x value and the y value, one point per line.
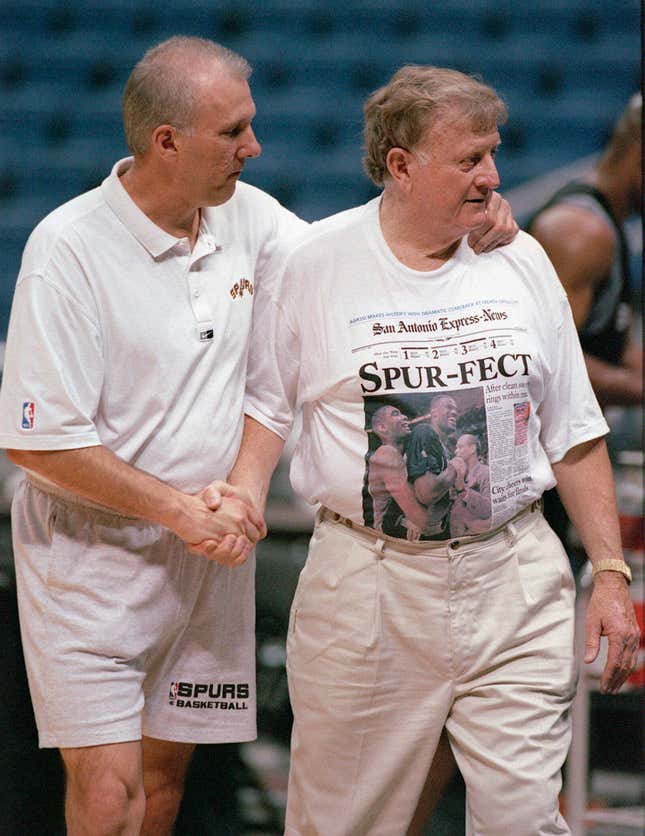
164	87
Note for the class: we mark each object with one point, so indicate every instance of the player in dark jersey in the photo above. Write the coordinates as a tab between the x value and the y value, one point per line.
581	229
431	467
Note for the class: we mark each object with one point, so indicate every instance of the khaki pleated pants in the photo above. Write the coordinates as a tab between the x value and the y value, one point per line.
389	642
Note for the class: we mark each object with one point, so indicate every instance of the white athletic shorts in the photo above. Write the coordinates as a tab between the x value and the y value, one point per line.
389	642
126	633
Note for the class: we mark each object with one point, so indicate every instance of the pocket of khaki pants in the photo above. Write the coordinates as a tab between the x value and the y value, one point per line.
543	566
313	599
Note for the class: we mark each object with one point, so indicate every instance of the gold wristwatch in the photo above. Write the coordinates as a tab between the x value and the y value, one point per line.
612	566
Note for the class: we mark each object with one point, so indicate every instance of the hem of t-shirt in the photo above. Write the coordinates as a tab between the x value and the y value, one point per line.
9	441
279	429
556	454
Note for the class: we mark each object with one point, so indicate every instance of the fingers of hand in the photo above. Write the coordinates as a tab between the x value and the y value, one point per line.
232	550
258	521
621	662
612	669
218	489
489	237
203	548
235	517
494	202
593	629
482	243
615	618
252	531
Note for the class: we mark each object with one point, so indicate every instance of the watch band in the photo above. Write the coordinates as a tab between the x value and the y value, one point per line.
612	566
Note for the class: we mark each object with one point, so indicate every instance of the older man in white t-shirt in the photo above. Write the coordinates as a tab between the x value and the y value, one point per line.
390	641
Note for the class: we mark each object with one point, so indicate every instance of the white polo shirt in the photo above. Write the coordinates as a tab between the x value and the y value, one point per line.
120	335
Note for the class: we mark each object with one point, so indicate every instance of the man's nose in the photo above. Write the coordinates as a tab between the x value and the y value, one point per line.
251	147
488	176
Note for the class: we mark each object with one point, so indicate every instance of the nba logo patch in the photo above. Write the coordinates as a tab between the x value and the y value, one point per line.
28	413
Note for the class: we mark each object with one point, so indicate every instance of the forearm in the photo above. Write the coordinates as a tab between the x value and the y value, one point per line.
404	497
430	487
615	385
99	475
257	458
586	488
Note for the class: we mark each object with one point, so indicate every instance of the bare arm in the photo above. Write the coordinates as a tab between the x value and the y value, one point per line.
581	248
585	486
395	482
97	474
257	458
430	487
618	385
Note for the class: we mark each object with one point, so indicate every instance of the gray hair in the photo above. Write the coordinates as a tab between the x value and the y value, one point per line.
398	114
163	88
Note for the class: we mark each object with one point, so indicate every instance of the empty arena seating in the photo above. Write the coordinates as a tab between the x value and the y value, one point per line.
565	68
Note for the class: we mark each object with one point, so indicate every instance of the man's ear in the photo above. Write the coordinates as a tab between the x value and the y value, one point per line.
164	140
398	162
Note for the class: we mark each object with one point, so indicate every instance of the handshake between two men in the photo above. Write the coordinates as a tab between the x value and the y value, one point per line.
232	525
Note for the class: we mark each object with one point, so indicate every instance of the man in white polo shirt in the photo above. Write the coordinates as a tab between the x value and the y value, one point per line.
122	399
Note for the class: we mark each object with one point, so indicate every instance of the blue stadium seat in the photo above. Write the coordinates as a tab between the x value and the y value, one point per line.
565	68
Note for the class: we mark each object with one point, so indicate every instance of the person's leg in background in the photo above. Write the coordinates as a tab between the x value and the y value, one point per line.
439	777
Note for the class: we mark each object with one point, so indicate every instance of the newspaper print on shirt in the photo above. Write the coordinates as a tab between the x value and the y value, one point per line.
446	404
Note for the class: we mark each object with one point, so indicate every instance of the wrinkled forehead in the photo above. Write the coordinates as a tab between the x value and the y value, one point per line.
460	121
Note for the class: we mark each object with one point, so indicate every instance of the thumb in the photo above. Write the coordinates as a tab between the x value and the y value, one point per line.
213	493
592	641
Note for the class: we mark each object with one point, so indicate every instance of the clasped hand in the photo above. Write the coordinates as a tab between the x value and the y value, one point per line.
235	524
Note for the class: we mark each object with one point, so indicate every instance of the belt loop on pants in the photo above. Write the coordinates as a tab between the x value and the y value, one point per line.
379	548
510	534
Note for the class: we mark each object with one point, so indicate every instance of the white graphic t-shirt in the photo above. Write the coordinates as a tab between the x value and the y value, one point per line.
407	369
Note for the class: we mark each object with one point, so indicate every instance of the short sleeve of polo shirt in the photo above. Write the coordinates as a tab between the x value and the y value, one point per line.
424	452
53	370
